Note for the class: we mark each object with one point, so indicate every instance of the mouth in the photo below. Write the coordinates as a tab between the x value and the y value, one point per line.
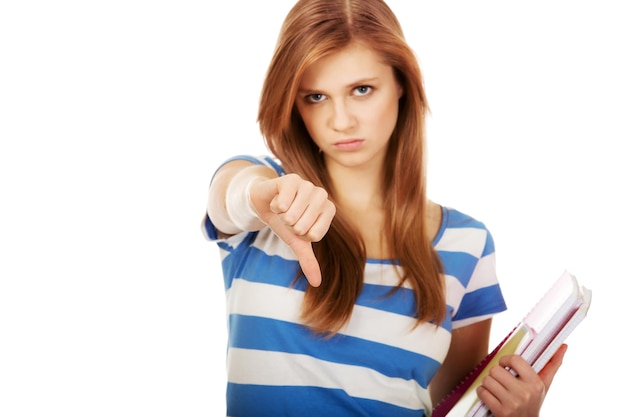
348	144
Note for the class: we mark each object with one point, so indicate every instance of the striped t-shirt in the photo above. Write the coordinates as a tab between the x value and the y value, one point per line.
378	364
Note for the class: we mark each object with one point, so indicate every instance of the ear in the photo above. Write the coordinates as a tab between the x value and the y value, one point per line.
400	90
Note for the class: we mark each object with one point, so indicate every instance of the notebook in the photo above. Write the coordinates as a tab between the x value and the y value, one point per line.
536	338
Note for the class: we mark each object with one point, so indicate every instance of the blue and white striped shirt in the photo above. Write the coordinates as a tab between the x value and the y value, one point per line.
378	364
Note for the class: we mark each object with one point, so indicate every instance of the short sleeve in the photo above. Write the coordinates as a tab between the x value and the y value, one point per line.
467	251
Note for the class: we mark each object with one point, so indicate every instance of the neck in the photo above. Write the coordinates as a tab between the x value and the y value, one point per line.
357	188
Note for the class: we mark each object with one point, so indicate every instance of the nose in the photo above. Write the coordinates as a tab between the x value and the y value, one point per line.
341	118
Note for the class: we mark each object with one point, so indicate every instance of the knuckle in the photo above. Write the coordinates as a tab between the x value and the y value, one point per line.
307	184
323	194
289	219
278	206
315	235
288	182
299	229
539	389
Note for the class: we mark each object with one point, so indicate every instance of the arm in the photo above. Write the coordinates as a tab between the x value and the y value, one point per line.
246	197
504	394
220	211
469	345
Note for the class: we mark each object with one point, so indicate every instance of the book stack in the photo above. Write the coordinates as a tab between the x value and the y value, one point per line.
536	338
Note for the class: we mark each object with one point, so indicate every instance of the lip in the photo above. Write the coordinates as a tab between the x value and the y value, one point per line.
348	144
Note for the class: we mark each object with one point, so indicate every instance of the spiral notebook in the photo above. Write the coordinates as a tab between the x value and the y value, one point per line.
536	338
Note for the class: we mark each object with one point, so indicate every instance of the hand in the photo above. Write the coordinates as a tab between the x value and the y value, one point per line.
507	395
299	213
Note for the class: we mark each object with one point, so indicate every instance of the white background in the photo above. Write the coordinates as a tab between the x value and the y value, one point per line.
113	116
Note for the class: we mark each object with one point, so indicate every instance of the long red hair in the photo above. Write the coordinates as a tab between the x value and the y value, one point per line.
314	29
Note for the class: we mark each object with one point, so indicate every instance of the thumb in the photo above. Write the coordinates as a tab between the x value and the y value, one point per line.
308	262
301	248
549	370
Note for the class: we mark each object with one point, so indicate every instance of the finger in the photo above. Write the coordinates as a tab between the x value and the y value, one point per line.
316	220
305	208
287	189
528	387
293	205
549	370
308	262
301	248
488	398
519	366
322	223
496	385
309	213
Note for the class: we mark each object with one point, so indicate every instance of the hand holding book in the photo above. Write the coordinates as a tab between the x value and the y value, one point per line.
536	339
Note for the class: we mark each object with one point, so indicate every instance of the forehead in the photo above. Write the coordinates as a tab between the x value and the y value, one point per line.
348	65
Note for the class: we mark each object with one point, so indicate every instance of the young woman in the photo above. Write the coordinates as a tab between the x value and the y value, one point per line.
349	293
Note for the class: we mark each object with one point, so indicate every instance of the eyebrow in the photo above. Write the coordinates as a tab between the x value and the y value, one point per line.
361	81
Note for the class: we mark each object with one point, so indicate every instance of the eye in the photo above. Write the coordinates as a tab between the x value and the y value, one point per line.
362	90
315	97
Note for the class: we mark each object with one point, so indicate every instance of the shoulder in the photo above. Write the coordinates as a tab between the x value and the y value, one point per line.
434	214
266	160
460	231
467	252
451	218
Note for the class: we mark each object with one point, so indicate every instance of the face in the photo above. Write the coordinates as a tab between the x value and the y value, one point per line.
349	104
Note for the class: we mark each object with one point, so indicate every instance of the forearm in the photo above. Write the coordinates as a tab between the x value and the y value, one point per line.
229	206
469	345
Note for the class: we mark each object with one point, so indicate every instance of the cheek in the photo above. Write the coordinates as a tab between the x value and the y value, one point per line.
311	121
384	116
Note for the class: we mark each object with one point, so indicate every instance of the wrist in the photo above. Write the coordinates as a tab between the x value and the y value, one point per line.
239	206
